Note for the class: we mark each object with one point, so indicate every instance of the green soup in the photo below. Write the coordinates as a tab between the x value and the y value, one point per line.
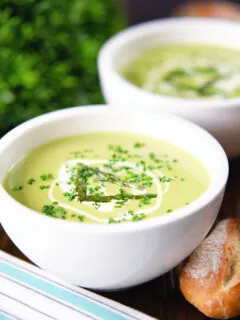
187	71
106	178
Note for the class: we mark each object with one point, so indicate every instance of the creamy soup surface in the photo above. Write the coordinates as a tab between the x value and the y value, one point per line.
187	71
106	178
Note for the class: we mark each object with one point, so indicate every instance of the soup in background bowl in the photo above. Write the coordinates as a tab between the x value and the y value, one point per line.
187	71
185	66
109	255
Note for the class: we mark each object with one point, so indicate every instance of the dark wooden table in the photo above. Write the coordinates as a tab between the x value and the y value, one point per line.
158	298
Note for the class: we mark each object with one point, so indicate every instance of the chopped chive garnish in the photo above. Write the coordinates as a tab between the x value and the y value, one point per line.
139	145
47	176
91	190
117	149
138	217
70	196
31	181
165	179
42	187
54	211
17	188
43	177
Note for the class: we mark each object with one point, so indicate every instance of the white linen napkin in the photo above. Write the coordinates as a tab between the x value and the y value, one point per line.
28	293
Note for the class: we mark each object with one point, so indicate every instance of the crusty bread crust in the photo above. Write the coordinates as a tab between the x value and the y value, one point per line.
210	280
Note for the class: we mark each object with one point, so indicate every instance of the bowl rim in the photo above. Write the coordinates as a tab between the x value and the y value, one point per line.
110	48
203	201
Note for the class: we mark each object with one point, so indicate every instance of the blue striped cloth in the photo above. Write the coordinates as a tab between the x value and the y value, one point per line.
28	293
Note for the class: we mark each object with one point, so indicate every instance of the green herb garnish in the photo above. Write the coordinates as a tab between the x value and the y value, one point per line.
54	211
117	149
47	176
146	200
138	217
70	195
139	145
17	188
31	181
165	179
91	190
42	187
142	164
43	177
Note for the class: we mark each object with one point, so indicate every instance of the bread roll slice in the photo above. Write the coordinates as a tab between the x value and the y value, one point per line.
210	280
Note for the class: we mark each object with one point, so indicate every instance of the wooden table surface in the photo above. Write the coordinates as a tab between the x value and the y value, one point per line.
158	297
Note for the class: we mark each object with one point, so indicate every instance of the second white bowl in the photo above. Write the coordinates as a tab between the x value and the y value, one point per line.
220	117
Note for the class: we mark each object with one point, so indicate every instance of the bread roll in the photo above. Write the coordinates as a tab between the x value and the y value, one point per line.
210	280
218	9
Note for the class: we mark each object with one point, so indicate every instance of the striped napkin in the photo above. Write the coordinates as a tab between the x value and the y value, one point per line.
28	293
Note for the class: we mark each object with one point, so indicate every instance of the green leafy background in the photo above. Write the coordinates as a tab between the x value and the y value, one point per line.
48	53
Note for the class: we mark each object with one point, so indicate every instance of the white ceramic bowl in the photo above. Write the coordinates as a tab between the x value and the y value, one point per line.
218	116
111	256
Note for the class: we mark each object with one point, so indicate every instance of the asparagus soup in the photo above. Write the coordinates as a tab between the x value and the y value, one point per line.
106	177
187	71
